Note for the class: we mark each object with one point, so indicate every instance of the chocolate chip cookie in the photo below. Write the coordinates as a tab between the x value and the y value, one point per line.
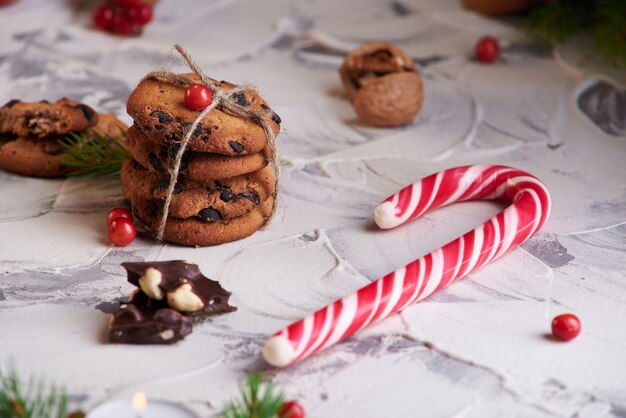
33	156
207	201
159	110
199	166
44	119
195	232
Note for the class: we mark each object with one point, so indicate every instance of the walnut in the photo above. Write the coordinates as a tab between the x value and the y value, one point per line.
383	84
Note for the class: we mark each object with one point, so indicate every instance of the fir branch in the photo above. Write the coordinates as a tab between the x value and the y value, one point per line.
255	400
93	154
38	401
604	20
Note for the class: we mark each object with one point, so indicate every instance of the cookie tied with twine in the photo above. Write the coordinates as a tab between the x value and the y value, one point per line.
226	100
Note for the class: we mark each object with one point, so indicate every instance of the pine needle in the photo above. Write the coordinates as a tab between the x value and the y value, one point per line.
257	400
38	401
93	154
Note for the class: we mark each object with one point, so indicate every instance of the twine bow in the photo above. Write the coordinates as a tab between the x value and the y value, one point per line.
226	100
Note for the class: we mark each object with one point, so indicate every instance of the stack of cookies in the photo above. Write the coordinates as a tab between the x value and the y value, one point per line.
226	187
30	134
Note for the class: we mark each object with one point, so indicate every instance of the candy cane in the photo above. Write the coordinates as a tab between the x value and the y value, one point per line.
529	209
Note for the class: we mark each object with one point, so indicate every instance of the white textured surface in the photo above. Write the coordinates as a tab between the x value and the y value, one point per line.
478	349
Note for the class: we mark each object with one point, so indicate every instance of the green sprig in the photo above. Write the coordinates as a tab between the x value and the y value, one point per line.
38	401
93	154
604	20
256	400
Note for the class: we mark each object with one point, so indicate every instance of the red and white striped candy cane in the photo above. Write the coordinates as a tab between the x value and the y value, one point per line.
529	208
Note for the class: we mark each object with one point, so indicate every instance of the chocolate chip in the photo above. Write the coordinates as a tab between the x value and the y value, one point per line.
88	112
163	117
236	146
11	103
241	99
277	120
251	197
264	106
163	184
196	132
225	196
156	162
209	215
44	101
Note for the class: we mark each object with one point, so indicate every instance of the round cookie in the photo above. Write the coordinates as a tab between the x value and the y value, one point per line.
207	201
199	166
32	156
44	119
159	110
194	232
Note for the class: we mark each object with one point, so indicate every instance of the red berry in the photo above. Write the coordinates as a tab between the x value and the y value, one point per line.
487	49
4	2
141	14
119	213
122	232
291	409
76	414
103	17
124	25
198	97
565	327
127	4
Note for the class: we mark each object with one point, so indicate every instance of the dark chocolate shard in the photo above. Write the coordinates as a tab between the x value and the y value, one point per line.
226	195
236	146
146	321
163	117
89	113
156	162
168	279
11	103
250	196
277	120
241	99
210	215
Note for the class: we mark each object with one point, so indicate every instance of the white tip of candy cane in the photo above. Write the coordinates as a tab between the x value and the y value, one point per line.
384	216
278	351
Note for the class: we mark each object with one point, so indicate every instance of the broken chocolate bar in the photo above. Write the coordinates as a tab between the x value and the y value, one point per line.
180	284
146	321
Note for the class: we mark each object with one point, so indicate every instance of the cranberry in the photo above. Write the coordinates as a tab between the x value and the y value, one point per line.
103	17
198	97
124	25
565	327
141	14
122	232
119	213
487	49
291	409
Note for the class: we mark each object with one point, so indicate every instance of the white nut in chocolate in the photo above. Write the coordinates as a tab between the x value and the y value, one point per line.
383	84
184	299
149	283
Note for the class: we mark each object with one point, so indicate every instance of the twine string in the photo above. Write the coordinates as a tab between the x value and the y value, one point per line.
226	100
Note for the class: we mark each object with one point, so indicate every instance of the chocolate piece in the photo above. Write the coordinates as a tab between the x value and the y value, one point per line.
226	195
163	117
251	197
241	99
11	103
146	321
236	146
210	215
181	284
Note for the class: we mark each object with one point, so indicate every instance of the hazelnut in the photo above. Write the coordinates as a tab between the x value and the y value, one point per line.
183	299
383	84
149	283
